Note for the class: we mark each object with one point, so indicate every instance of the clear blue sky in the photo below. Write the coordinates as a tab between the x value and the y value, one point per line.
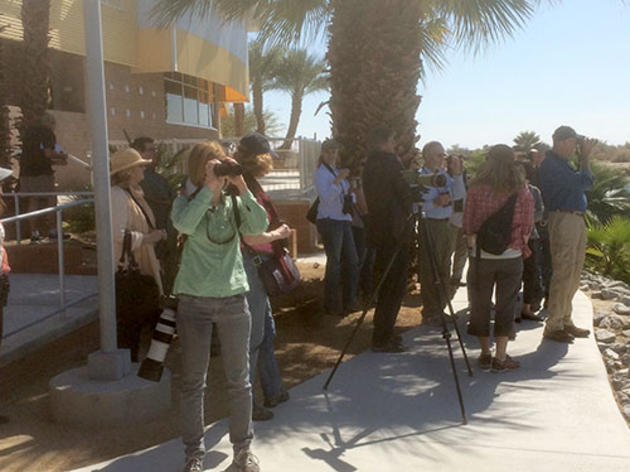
570	64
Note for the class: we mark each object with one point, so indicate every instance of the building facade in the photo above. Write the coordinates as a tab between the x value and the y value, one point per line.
168	83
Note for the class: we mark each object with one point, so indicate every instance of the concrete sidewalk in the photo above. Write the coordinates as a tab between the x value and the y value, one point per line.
33	316
399	412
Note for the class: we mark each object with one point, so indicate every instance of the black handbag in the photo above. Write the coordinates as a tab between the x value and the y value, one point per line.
311	214
137	299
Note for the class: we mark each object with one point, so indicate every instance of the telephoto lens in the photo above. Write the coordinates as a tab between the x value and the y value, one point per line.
228	169
152	366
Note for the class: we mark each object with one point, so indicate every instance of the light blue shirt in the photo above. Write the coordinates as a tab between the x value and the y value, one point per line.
431	210
330	194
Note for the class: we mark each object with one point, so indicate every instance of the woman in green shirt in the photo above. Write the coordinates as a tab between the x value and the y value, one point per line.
211	286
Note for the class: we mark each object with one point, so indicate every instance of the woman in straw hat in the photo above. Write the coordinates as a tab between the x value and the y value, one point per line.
130	212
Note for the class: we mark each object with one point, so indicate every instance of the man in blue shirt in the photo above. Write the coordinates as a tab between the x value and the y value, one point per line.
437	206
563	190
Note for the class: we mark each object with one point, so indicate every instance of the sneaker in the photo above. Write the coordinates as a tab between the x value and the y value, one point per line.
282	397
577	332
485	361
559	335
194	465
501	366
260	413
244	461
531	316
35	237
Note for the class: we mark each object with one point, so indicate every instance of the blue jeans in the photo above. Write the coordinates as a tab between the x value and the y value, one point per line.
342	265
261	352
195	316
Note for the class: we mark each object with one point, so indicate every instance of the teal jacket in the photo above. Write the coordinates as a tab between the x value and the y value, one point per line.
211	264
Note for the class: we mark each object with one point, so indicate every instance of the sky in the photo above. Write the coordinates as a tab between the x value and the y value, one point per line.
570	64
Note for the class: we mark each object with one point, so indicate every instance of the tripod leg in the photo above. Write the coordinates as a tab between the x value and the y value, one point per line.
366	308
441	289
446	334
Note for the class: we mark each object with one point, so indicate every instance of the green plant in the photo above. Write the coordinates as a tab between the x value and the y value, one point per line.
525	141
79	219
272	123
609	195
608	248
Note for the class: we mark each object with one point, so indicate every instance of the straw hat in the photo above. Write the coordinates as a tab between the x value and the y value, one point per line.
4	173
123	160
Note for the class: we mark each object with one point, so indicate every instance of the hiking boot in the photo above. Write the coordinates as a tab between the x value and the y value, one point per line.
389	346
485	361
577	332
501	366
194	465
244	461
282	397
559	335
260	413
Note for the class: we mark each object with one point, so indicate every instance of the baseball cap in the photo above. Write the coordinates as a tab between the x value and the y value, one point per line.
256	143
565	132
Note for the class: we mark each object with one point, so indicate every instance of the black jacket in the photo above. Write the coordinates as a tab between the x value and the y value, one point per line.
388	199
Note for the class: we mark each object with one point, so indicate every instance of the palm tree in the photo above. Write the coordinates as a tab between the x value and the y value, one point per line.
609	195
525	141
228	123
376	49
609	248
239	120
263	62
300	74
5	125
35	64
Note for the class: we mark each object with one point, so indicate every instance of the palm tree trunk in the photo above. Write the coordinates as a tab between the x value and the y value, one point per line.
36	72
239	119
257	99
296	111
5	125
374	55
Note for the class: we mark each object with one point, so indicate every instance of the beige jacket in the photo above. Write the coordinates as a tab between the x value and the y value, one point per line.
126	215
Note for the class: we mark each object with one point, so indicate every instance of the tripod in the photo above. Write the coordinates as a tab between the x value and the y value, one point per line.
446	333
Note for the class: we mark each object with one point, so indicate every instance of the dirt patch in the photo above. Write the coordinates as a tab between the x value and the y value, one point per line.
308	343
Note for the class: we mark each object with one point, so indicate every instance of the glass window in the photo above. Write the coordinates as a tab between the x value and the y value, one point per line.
174	102
204	109
191	114
187	100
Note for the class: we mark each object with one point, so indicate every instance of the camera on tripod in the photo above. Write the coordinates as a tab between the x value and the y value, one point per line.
418	183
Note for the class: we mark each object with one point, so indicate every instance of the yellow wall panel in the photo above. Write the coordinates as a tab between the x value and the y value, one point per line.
201	58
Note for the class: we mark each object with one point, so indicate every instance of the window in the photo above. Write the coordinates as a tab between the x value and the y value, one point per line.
112	110
187	100
142	115
140	90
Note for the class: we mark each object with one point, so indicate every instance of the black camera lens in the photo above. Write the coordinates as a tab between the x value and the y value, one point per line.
228	169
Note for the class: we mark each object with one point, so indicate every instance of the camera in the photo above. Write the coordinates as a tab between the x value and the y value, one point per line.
419	182
347	204
228	169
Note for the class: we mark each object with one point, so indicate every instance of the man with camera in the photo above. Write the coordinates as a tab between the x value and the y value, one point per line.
437	206
388	232
563	190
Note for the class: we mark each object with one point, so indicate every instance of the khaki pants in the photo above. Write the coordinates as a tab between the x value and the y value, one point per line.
567	237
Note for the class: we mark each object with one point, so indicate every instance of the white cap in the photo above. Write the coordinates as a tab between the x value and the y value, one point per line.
4	173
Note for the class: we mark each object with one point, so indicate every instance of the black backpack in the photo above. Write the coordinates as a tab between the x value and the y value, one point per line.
496	232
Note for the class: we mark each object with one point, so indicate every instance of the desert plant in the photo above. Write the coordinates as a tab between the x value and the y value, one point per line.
608	248
263	61
273	127
609	195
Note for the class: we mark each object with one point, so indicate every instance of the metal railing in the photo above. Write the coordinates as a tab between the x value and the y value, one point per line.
58	209
16	202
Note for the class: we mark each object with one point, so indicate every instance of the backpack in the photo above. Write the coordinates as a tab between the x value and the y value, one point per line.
496	232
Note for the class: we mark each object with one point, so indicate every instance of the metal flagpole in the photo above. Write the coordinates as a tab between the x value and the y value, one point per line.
95	88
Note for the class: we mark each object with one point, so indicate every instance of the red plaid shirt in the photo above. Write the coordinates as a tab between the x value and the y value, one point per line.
482	201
